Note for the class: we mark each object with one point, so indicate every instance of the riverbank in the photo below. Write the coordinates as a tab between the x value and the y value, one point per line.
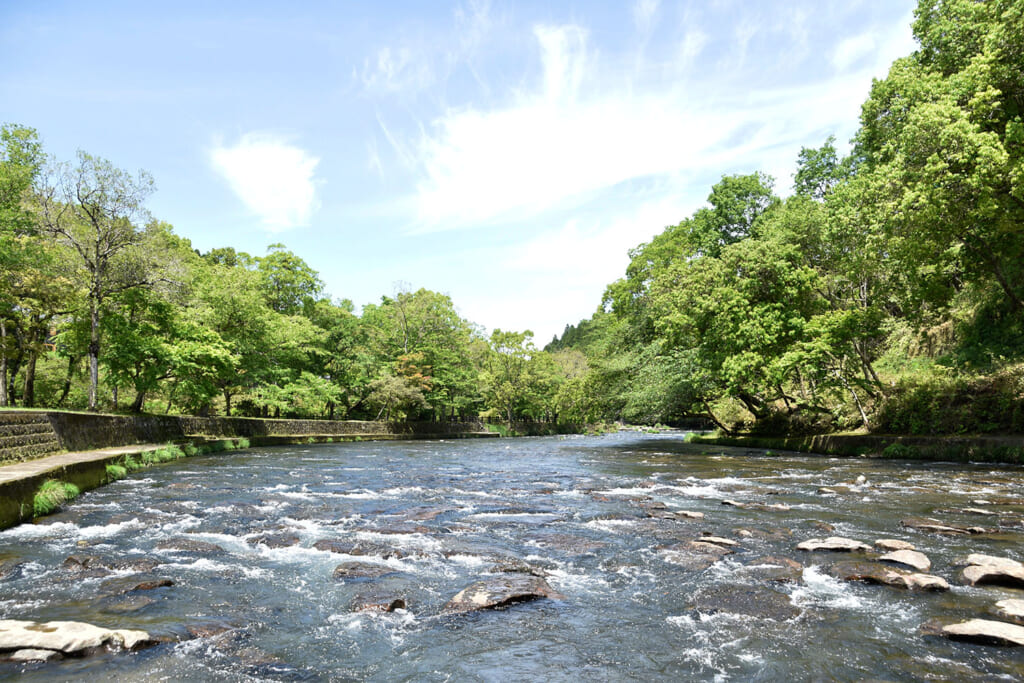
47	457
997	449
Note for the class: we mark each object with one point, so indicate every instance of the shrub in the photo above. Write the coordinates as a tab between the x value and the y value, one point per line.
242	442
115	472
51	495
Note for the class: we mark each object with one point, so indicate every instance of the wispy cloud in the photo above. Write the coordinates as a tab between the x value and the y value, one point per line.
274	179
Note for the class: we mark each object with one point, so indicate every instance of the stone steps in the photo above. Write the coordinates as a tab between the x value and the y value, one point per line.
24	436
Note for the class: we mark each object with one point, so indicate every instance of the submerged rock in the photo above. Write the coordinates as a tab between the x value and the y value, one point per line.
984	631
137	582
988	569
693	555
500	591
81	563
774	570
753	601
190	545
282	540
871	572
832	544
10	567
360	548
361	571
909	558
378	600
68	637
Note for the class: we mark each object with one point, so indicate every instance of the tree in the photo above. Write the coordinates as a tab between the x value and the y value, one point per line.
95	208
20	161
288	283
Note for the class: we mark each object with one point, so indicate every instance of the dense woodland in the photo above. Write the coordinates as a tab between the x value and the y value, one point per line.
886	291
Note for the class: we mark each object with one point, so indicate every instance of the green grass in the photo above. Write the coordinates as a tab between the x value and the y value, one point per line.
51	495
115	472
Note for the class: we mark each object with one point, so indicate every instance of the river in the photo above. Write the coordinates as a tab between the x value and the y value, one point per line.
596	516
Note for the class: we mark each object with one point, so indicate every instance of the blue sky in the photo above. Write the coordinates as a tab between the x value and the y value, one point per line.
507	154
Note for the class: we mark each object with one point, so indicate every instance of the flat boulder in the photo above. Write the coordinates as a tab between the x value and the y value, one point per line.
31	655
68	637
891	544
984	631
872	572
774	570
832	544
1012	609
934	526
908	558
500	591
988	569
718	540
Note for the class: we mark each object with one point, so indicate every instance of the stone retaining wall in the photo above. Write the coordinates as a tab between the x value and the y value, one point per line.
28	435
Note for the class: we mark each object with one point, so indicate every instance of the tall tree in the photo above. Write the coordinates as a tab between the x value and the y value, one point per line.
21	157
95	209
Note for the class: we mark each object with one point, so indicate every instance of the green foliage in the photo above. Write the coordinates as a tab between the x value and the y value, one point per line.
115	472
242	442
51	495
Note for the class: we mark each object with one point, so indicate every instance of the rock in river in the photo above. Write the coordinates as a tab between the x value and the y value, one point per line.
833	544
982	631
753	601
68	637
190	545
936	527
872	572
499	591
891	544
361	571
909	558
987	569
1012	609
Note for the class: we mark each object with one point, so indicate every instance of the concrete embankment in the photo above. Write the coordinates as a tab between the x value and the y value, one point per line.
77	448
1002	449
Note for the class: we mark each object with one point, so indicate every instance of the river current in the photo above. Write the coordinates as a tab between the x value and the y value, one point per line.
253	598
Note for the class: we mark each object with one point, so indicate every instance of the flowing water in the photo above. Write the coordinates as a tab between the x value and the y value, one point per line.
587	512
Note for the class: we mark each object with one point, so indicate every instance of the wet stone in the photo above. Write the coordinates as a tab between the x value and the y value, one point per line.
774	570
513	566
10	568
80	563
569	544
983	631
693	555
69	637
501	591
1011	609
378	600
32	655
891	544
832	544
127	604
908	558
988	569
275	540
934	526
356	571
873	572
136	582
360	548
752	601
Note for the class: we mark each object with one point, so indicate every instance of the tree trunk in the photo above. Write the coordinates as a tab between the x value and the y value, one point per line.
94	354
72	362
28	394
140	400
3	362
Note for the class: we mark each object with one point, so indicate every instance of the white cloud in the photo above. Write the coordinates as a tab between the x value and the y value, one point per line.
397	70
273	179
852	50
644	12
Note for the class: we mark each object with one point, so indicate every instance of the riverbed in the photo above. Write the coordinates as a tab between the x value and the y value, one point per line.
249	542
